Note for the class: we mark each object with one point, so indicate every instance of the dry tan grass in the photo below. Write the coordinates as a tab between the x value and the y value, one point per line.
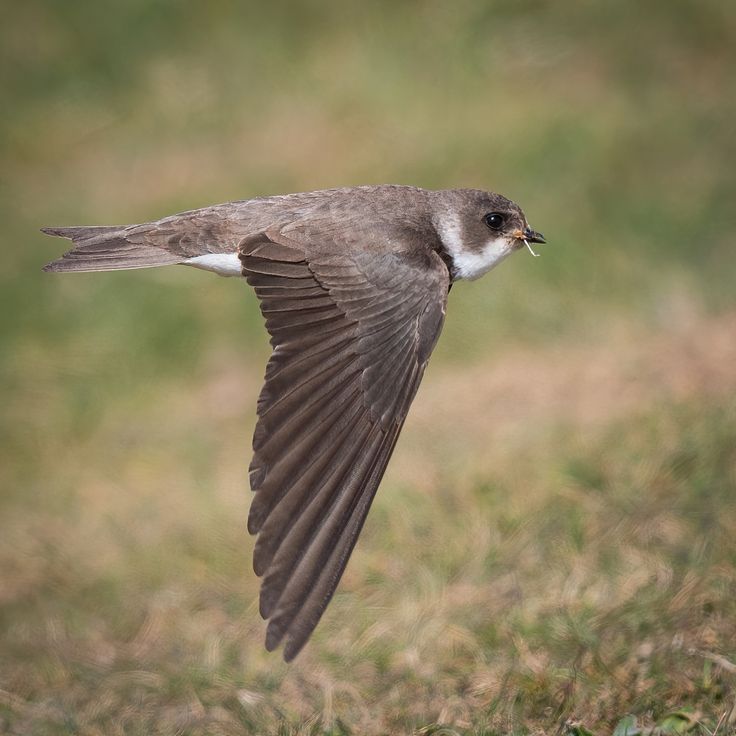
487	411
497	582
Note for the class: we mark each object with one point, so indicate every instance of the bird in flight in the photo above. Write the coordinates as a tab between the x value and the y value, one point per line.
353	286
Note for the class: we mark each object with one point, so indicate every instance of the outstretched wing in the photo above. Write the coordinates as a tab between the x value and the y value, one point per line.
351	337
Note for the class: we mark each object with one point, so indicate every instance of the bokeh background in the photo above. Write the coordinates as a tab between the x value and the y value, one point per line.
554	540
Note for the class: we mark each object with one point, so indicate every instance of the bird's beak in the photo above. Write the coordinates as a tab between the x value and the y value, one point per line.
532	236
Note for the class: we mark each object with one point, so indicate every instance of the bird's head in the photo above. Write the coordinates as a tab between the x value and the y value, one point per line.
479	229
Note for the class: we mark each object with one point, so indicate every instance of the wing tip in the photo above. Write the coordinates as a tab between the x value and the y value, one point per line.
292	648
273	637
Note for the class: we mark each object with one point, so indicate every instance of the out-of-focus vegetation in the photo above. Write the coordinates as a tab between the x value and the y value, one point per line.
554	541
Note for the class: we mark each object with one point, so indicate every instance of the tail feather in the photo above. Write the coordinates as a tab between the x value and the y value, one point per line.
106	248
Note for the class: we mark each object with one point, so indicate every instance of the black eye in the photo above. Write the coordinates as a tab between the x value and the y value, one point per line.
494	220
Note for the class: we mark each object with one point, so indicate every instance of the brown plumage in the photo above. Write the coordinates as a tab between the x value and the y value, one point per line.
353	287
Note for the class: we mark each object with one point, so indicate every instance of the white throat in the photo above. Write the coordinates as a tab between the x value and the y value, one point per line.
471	264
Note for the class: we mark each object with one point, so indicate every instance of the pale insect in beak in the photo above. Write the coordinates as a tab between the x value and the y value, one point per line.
526	243
526	235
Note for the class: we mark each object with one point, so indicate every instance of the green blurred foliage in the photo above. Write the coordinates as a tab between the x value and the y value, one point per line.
612	124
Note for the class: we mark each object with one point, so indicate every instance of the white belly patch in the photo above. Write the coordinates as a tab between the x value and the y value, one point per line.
223	264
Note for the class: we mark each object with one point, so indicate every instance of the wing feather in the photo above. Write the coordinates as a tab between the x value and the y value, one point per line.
264	462
331	572
351	336
313	480
290	570
286	511
305	435
300	560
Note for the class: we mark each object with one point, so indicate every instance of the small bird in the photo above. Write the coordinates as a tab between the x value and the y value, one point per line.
353	286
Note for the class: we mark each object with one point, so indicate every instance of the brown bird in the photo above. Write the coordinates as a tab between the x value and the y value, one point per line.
353	286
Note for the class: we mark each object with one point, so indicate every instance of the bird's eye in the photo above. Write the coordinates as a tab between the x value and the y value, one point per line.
494	220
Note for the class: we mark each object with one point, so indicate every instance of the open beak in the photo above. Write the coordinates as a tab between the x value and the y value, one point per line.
532	236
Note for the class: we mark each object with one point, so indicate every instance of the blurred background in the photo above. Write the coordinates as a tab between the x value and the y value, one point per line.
554	539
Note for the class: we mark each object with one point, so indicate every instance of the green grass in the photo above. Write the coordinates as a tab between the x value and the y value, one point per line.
552	548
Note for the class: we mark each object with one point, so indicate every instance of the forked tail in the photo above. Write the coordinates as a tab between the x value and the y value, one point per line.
108	248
